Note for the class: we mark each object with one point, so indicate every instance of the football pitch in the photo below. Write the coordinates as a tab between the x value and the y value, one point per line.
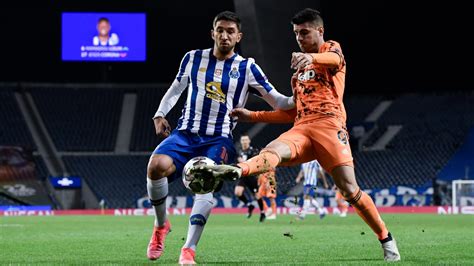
234	239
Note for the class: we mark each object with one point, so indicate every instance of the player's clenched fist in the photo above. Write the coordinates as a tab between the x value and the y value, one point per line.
241	114
300	60
162	127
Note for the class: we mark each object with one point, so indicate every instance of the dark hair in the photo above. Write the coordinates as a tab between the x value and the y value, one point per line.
228	16
245	134
103	19
308	15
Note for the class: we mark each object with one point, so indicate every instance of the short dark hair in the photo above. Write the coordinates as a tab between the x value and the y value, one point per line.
228	16
103	19
308	15
245	134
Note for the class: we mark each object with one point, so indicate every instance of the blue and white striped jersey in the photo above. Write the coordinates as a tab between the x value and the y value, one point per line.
311	171
215	87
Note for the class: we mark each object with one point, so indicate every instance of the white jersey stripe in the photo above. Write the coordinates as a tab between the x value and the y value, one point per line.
311	171
215	88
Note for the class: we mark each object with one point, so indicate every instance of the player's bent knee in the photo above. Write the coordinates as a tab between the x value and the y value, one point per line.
197	219
160	166
345	180
279	148
348	191
353	197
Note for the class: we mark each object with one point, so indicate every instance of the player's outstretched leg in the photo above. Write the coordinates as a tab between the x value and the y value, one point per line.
364	205
158	191
202	207
220	171
267	159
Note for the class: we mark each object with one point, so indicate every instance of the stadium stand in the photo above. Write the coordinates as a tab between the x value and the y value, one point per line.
41	169
358	107
148	100
4	201
434	127
119	180
80	119
14	131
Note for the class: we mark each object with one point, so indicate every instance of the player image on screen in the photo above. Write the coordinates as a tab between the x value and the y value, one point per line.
218	80
104	37
319	129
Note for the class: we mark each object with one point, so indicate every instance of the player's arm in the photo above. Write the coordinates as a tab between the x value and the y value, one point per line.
261	87
332	57
327	59
162	127
279	101
278	116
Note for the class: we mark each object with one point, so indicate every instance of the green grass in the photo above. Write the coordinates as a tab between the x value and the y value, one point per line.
233	239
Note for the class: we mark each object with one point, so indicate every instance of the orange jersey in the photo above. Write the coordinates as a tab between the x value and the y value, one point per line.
318	90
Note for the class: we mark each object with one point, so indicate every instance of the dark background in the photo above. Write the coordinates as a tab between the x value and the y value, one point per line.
389	45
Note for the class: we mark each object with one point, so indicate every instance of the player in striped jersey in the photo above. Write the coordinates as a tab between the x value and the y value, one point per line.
310	172
218	80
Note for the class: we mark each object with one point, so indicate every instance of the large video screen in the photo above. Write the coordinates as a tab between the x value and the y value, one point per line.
103	36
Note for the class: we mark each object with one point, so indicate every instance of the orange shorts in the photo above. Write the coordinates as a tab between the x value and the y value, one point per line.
325	140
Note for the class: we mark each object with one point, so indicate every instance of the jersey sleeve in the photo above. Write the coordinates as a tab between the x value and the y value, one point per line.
258	82
278	116
175	90
182	75
335	47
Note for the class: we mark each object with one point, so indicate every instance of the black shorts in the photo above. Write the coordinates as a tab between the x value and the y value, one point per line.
250	182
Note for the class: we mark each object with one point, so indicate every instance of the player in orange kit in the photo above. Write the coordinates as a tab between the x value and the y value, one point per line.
267	189
319	130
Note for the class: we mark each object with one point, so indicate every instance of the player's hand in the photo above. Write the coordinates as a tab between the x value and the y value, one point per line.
241	114
300	60
162	127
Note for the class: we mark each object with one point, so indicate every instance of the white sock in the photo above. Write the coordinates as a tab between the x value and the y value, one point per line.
158	191
315	203
202	207
306	205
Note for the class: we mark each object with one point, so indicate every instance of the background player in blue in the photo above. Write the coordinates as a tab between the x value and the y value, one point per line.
310	172
218	80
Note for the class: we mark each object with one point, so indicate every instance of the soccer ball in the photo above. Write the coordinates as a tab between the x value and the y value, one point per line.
202	184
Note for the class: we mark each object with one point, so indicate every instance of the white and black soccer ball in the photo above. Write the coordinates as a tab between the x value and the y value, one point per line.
199	184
